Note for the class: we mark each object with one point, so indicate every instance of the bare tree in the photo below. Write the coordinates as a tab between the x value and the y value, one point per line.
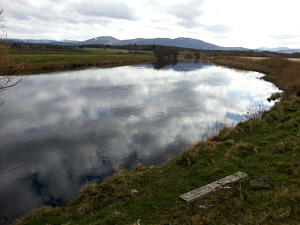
7	82
7	65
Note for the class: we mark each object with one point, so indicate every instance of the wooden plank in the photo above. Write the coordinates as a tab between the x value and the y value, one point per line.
196	194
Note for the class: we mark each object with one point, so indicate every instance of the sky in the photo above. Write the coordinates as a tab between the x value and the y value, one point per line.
228	23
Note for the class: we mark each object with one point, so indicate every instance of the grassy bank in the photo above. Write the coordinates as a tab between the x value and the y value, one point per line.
48	61
261	146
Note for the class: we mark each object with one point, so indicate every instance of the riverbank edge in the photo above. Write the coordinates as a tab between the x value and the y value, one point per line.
253	148
270	74
49	68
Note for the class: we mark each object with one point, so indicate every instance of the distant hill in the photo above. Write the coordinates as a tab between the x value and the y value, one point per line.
45	41
279	50
106	40
177	42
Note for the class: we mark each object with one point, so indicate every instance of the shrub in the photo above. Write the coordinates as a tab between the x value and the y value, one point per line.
253	112
188	55
275	96
165	53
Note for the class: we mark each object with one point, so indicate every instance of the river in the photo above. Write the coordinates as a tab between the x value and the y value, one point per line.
61	130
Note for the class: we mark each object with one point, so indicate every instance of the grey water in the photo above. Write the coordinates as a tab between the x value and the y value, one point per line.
61	130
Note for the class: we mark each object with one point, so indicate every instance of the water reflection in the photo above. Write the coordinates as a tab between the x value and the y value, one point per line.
7	82
63	129
162	63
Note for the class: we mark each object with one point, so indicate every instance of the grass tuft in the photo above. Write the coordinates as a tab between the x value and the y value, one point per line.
191	156
287	145
224	133
240	150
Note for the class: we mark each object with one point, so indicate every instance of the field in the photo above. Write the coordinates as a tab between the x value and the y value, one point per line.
112	51
294	60
47	61
260	58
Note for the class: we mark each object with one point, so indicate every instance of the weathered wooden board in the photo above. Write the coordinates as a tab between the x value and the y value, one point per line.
196	194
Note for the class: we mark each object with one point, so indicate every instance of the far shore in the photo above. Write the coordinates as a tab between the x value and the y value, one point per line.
33	62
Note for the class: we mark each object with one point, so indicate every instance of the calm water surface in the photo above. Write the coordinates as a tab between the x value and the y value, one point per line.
61	130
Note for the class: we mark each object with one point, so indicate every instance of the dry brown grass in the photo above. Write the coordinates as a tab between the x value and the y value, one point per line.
253	58
260	58
294	60
291	79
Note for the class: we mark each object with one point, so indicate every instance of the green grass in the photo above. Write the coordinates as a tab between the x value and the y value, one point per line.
112	51
39	61
106	51
262	146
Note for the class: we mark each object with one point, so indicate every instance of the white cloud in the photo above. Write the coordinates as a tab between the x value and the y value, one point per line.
253	24
109	9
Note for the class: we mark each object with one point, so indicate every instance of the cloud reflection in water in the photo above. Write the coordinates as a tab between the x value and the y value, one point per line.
60	130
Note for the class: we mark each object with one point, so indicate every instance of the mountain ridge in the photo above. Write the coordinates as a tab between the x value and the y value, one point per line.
176	42
183	42
278	49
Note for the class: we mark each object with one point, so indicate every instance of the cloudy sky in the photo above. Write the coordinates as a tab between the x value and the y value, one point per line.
251	24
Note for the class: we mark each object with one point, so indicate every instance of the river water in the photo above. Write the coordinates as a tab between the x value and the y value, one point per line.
61	130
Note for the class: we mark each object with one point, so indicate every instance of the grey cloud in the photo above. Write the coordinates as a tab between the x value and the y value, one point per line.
285	36
185	12
161	28
188	13
109	9
286	40
189	24
24	11
218	28
53	19
70	10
